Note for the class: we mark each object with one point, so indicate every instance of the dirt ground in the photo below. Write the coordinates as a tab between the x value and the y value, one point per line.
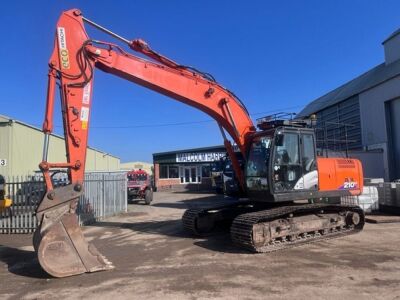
156	259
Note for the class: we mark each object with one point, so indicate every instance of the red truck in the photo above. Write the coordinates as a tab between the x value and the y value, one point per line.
139	186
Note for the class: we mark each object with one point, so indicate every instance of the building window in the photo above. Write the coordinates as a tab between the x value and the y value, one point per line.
205	171
173	172
167	171
163	171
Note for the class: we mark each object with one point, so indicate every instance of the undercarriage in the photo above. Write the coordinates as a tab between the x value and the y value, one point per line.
259	228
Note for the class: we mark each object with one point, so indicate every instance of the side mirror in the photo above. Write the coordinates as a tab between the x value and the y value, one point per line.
279	140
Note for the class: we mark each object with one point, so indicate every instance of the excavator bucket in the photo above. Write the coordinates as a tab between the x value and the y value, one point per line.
59	242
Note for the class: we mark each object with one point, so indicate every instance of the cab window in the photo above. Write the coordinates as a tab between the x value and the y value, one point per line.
308	155
287	168
257	164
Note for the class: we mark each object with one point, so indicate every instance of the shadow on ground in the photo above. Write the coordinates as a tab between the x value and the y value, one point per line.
194	192
22	262
208	201
218	241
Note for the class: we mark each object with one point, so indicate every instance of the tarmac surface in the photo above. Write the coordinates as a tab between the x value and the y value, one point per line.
156	259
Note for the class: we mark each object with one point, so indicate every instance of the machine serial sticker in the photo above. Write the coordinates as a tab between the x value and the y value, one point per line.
86	93
62	45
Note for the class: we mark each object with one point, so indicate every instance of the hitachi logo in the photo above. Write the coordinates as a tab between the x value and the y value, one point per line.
62	44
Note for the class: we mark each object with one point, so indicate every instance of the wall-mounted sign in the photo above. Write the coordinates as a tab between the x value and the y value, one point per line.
199	157
3	162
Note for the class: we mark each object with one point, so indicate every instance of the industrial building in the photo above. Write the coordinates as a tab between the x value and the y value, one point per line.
136	165
188	169
21	148
370	105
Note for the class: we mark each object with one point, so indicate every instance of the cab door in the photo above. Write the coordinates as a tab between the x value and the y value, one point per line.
286	164
309	179
294	162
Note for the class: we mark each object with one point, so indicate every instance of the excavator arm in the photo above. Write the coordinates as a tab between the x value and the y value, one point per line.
59	242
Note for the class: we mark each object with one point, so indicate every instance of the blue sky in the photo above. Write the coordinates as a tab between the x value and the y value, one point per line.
275	55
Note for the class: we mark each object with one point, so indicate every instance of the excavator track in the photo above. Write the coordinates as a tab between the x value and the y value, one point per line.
204	221
289	226
189	220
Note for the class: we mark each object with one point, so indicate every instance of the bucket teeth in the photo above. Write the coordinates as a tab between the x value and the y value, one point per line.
109	264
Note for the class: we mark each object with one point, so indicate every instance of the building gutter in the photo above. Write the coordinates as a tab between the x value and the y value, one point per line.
6	123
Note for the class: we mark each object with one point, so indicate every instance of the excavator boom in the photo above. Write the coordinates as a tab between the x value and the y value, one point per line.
59	242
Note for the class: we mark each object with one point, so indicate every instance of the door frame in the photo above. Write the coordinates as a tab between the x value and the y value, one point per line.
182	176
299	132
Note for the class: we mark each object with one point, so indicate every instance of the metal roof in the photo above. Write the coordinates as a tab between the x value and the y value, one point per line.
369	79
203	149
391	36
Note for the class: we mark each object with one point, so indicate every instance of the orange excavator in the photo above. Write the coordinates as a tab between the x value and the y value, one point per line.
284	179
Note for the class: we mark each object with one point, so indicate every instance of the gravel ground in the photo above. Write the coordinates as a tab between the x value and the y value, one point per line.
155	259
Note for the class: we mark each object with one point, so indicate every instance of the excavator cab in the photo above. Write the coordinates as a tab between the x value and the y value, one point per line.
281	160
283	165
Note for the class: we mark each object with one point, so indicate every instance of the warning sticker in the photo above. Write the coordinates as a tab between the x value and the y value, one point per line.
84	117
86	93
85	114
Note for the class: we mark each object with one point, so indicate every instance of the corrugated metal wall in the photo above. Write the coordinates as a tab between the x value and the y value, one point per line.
393	118
22	146
26	149
333	133
5	136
